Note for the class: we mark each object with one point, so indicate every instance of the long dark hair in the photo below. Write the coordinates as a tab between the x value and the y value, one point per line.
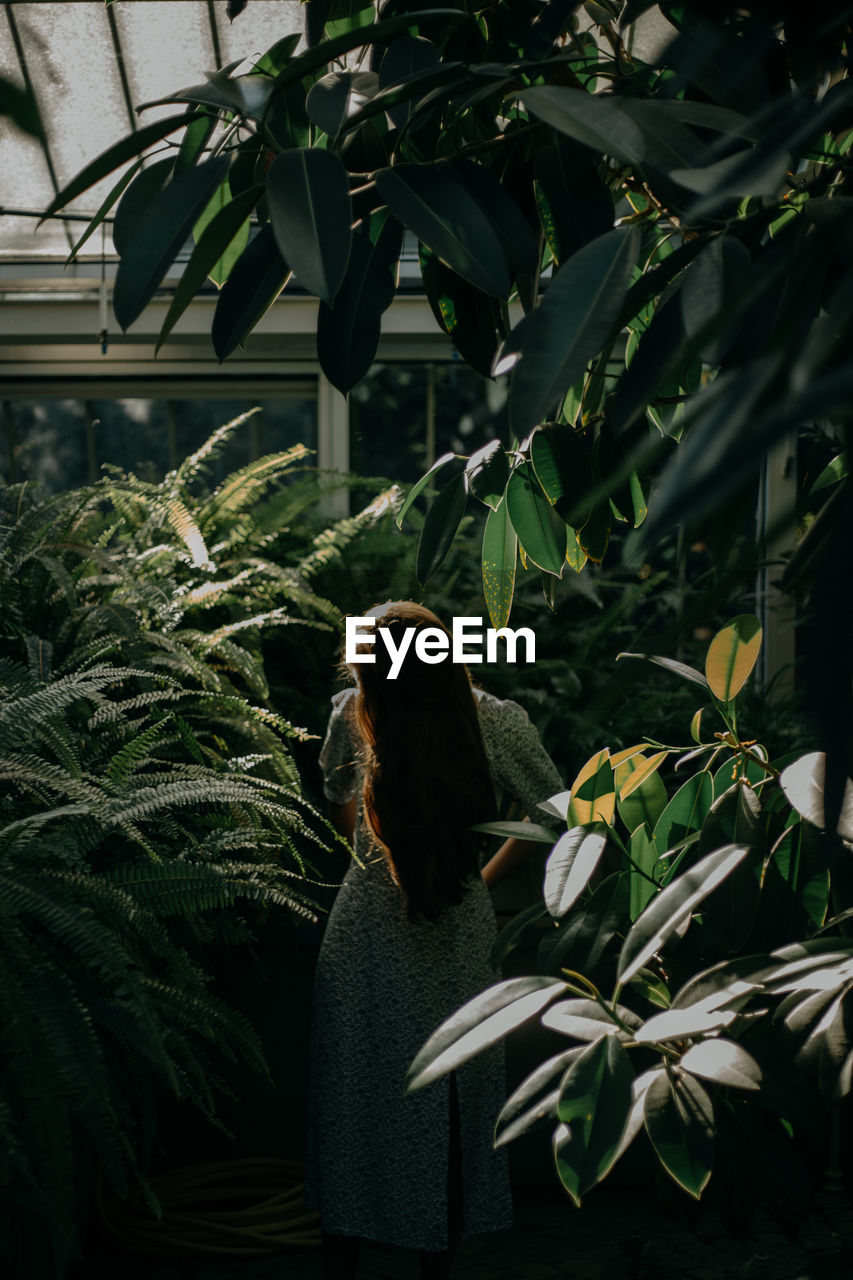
427	778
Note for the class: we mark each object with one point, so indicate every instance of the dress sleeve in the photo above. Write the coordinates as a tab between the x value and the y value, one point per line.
519	762
338	752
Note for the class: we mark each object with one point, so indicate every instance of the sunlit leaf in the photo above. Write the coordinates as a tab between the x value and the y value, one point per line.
803	783
543	538
535	1099
500	544
679	1117
673	906
670	664
570	866
488	472
310	209
442	521
723	1062
586	1020
419	486
593	793
732	655
594	1108
479	1023
257	278
644	854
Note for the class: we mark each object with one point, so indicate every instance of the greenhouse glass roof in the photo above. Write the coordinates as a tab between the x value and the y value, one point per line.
90	65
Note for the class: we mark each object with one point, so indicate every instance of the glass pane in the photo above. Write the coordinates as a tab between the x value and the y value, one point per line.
388	417
258	27
63	443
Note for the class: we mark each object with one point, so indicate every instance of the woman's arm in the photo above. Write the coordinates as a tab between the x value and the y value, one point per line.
511	853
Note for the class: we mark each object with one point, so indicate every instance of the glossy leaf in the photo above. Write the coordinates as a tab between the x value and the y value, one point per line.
146	184
257	278
542	538
712	285
570	866
553	344
109	200
310	209
500	545
169	219
603	921
803	783
404	58
348	330
435	204
636	773
535	1099
643	852
679	1117
563	468
732	654
419	485
673	906
488	472
593	793
670	664
442	521
587	1020
501	211
594	1107
337	95
574	205
723	1062
480	1023
702	1018
518	830
685	812
467	315
127	149
591	119
221	231
644	802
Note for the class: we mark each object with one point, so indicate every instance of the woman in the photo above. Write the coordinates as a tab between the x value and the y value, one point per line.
410	766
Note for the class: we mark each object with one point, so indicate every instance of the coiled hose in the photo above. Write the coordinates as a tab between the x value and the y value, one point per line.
230	1208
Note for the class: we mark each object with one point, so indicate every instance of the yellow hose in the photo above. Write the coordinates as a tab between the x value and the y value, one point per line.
227	1208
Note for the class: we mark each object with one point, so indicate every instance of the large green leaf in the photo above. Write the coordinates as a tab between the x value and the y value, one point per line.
348	330
437	206
570	866
641	795
535	1099
419	485
488	472
257	278
515	233
585	1019
644	855
685	812
553	344
804	784
671	664
563	468
673	907
220	232
731	656
479	1023
468	315
442	521
605	918
593	793
168	221
679	1118
542	538
595	1103
311	214
723	1062
109	200
337	95
145	185
713	284
130	147
500	549
574	205
592	119
668	141
405	58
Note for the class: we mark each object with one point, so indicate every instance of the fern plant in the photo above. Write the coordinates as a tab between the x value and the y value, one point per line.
149	802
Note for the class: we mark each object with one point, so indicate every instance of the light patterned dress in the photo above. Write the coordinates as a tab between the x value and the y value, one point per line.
378	1161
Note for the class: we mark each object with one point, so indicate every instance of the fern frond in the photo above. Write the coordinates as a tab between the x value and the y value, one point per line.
192	467
243	488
